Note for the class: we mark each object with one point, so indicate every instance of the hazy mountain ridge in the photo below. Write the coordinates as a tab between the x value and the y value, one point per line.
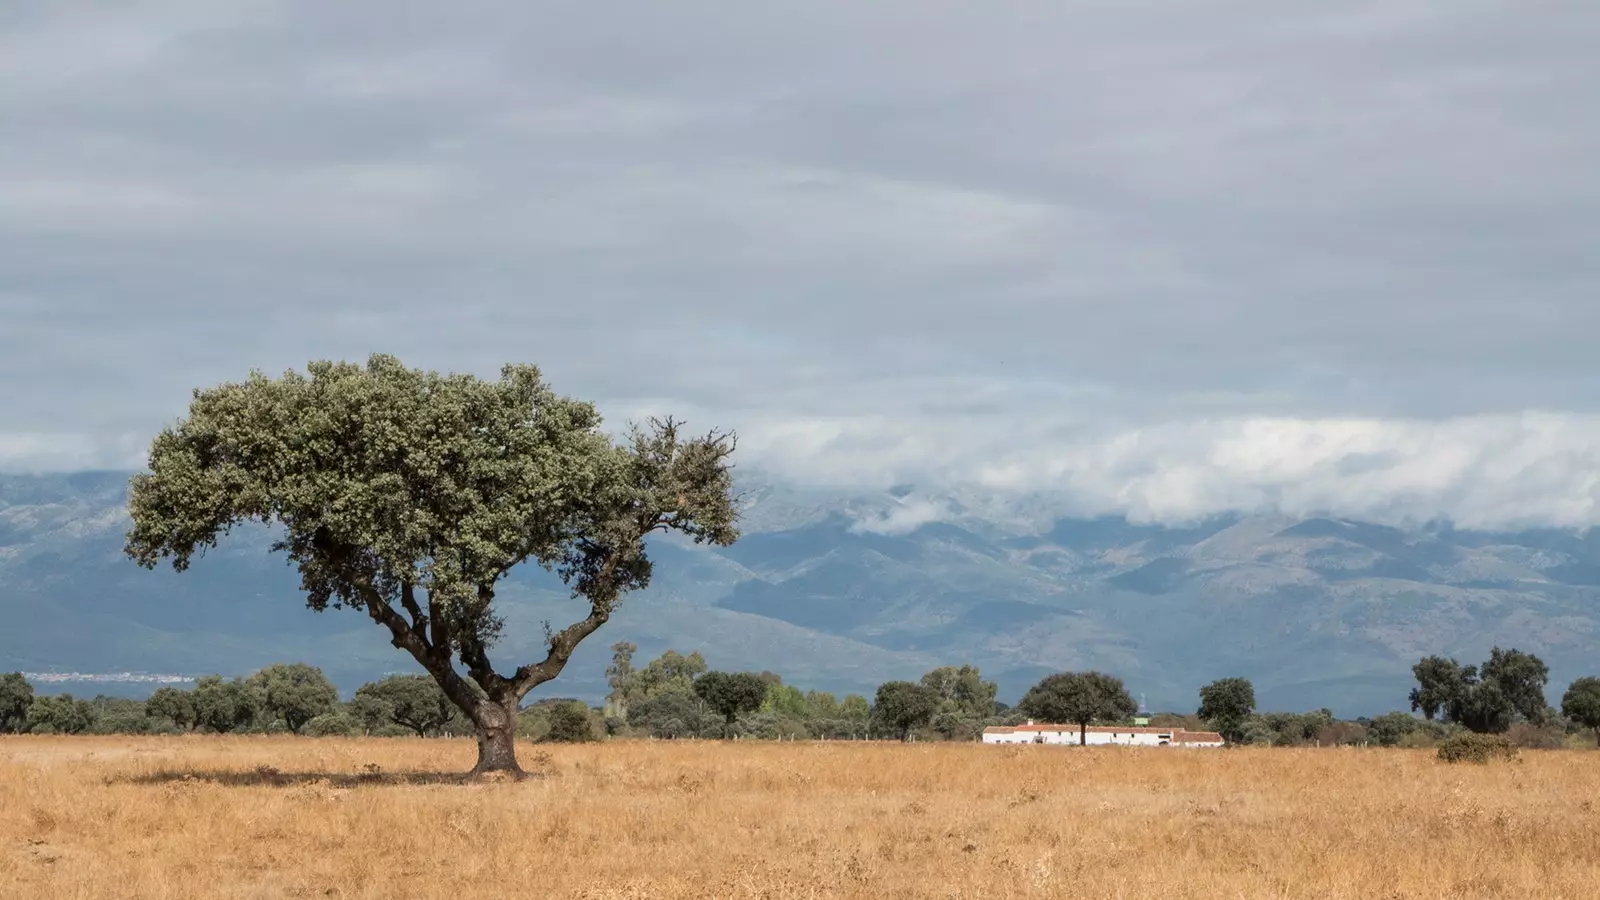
842	590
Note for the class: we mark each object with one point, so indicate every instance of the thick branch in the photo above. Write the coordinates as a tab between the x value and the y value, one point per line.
408	599
561	646
416	643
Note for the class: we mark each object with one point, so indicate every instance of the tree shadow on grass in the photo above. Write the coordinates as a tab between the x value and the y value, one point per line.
267	776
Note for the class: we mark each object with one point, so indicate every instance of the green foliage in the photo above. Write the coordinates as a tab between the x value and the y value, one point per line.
121	715
903	706
1389	729
173	705
966	701
60	714
1581	703
731	694
224	706
1487	699
671	671
674	713
295	693
408	495
16	695
785	699
1476	747
570	723
411	701
1081	698
1226	704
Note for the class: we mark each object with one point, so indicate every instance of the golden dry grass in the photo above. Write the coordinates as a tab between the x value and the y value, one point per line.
114	818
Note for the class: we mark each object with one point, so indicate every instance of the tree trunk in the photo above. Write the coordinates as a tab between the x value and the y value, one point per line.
496	725
1083	734
1597	737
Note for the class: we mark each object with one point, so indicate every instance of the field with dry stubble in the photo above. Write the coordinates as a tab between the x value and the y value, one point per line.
194	817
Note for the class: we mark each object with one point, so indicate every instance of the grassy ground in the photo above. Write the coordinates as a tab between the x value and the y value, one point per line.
193	817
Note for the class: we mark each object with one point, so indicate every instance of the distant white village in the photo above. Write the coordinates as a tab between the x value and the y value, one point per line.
1128	735
105	678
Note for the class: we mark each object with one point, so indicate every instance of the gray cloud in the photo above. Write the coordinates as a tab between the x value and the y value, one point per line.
978	236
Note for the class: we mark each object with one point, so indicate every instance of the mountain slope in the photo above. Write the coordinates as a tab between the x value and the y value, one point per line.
844	590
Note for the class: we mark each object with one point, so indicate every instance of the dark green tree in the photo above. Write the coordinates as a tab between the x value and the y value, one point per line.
16	695
1081	698
174	705
1227	704
903	706
412	701
569	723
295	693
731	694
1441	683
1520	678
60	714
409	495
225	706
1581	703
1487	699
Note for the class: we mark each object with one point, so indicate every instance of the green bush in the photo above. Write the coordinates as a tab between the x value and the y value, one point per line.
1476	748
570	723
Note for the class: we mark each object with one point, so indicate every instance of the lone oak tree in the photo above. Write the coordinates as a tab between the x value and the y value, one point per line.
1079	698
409	495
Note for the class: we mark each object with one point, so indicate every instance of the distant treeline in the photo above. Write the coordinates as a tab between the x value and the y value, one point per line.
677	696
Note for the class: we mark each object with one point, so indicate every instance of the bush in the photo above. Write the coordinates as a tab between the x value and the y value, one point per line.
1476	748
1537	737
569	723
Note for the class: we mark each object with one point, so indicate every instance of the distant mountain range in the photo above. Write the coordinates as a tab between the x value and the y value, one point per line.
843	590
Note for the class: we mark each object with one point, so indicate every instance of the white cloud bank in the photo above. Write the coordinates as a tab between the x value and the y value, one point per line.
1505	471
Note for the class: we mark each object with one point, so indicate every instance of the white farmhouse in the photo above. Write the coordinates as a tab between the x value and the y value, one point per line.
1126	735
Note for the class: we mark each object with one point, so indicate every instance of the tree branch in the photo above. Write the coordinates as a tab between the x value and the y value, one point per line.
561	646
415	643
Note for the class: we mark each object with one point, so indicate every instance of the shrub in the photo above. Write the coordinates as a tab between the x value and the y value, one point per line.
1537	737
1476	748
569	723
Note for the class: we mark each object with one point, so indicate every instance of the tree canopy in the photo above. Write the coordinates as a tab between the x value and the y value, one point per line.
411	701
1227	703
904	705
409	495
1081	698
1486	699
294	693
16	695
731	694
1581	703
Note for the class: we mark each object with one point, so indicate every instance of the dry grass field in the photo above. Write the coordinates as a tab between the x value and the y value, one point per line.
193	817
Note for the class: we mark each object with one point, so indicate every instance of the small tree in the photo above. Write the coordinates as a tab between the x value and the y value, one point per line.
410	495
569	723
731	695
1389	729
1581	703
412	701
224	706
16	695
1227	704
1080	698
172	704
904	705
295	693
60	714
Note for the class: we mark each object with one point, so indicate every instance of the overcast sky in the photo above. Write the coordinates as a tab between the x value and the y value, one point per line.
1171	257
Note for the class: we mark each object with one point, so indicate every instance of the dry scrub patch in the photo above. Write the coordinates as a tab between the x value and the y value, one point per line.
257	817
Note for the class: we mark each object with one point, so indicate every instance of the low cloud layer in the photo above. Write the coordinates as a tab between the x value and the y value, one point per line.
1166	258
